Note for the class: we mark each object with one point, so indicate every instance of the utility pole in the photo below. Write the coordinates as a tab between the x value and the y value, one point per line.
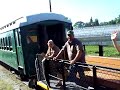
50	5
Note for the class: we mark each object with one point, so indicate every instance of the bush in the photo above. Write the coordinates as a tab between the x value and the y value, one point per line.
108	51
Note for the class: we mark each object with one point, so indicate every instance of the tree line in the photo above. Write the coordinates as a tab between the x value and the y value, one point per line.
80	24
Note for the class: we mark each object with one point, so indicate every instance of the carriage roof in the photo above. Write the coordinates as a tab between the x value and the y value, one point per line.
27	20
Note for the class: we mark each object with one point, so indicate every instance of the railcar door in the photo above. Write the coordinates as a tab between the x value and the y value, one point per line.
54	31
31	49
18	47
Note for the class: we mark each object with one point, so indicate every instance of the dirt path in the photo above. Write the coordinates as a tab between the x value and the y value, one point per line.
11	79
104	61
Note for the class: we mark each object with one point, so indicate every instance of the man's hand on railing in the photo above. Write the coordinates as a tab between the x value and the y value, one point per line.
72	62
54	58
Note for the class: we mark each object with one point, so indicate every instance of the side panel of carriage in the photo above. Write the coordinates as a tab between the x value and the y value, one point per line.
19	51
8	50
11	49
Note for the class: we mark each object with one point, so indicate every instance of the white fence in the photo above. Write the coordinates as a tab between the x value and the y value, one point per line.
98	35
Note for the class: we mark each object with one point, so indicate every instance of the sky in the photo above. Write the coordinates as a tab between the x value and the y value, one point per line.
76	10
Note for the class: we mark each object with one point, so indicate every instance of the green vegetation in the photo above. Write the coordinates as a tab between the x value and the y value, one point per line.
5	86
109	51
95	22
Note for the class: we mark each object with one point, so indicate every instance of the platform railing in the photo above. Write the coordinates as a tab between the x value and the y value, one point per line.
96	77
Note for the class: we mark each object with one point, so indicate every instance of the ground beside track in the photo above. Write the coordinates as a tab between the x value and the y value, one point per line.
10	81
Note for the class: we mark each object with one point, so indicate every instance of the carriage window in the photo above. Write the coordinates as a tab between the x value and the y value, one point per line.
32	36
18	37
10	43
31	39
6	43
0	44
7	46
3	43
68	27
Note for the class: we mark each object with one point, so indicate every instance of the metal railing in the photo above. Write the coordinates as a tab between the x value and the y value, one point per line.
97	77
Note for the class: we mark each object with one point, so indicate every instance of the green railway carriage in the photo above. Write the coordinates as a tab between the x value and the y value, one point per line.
23	38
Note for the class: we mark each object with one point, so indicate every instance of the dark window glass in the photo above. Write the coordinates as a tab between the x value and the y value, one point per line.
18	37
10	43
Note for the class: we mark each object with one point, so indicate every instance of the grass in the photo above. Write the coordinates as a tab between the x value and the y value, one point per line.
5	86
108	51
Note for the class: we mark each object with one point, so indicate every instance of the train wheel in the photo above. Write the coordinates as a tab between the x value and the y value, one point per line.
23	77
21	74
32	83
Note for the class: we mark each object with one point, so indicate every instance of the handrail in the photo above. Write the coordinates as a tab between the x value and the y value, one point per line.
85	64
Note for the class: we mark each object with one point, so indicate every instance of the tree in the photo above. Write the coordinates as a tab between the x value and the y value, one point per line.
96	23
87	24
112	22
91	22
117	20
79	24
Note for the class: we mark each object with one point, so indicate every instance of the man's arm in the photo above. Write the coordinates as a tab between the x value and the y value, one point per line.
114	40
46	55
55	52
60	52
116	45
